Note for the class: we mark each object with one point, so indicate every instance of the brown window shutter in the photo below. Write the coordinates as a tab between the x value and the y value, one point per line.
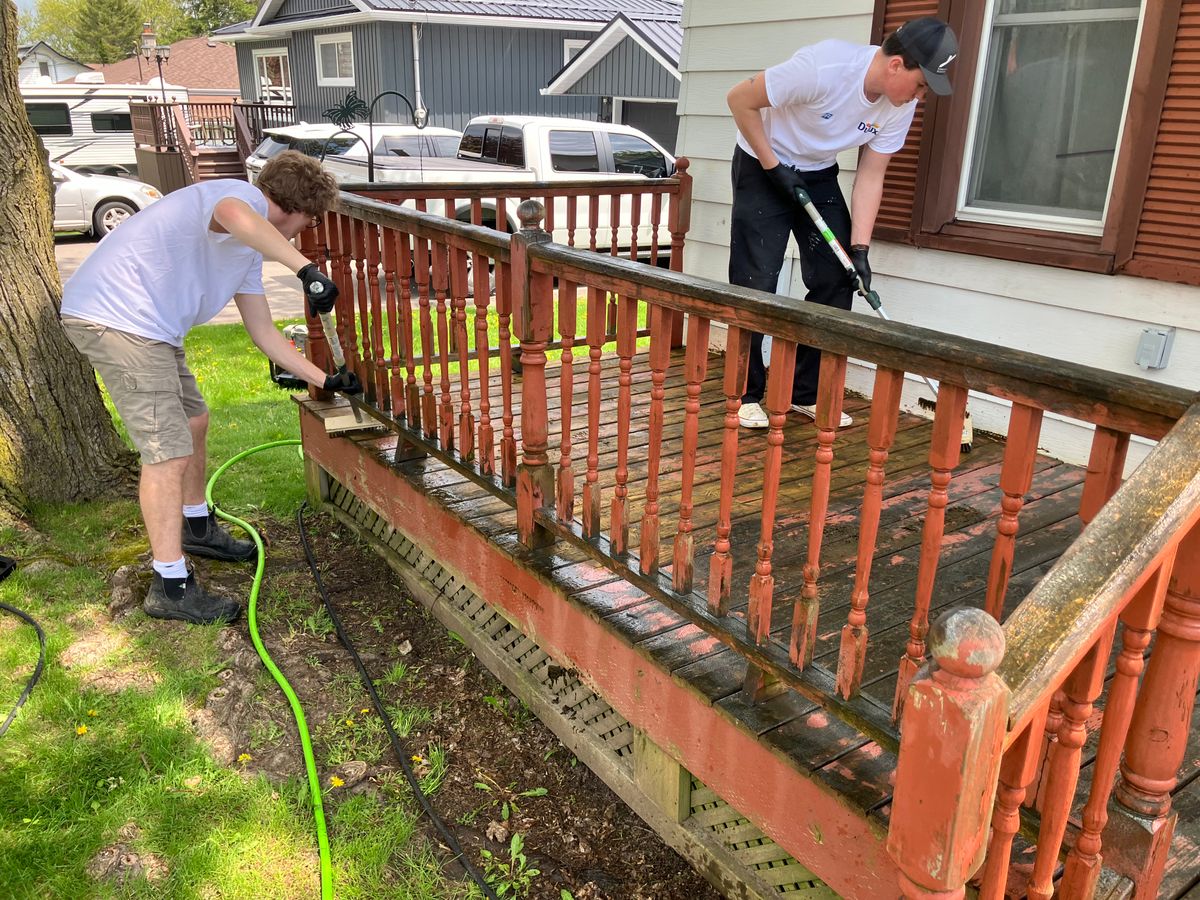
1167	246
894	222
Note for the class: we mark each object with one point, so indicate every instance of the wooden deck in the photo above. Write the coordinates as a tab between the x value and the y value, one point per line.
789	730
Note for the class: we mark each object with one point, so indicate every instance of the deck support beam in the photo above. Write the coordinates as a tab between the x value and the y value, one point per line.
661	778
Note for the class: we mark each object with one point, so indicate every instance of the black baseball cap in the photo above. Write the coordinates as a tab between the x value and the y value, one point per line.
933	46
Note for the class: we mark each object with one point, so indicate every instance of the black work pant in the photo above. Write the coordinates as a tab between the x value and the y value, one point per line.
762	219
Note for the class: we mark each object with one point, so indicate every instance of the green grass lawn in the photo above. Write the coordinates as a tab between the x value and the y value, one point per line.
87	755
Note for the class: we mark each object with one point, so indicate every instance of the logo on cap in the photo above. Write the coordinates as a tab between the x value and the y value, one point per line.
941	70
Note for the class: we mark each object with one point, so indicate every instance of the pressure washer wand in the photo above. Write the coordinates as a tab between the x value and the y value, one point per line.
355	420
835	245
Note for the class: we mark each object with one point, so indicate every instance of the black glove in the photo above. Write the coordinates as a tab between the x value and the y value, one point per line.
320	291
858	256
344	381
786	180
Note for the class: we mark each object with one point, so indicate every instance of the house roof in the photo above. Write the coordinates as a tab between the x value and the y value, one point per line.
195	63
663	40
25	49
589	15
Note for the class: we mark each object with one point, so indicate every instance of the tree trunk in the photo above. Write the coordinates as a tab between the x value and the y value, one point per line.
57	442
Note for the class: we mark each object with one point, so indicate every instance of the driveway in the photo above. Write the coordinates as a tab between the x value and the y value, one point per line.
283	290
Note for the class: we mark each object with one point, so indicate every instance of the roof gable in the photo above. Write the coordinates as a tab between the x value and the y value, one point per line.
660	41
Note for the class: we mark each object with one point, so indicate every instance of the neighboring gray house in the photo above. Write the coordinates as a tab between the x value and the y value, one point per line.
633	64
39	63
456	58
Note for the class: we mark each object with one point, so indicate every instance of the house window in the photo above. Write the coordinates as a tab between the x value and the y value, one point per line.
273	75
49	118
44	68
571	48
111	121
574	151
1052	95
335	60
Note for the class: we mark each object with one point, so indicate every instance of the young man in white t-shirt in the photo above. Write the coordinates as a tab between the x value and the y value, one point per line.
793	119
174	265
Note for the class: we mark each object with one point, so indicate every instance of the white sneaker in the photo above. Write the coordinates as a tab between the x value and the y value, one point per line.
811	412
751	415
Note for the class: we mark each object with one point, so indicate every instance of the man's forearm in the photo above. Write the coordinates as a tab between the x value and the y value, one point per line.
864	204
257	233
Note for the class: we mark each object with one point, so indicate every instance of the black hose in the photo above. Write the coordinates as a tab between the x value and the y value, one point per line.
7	567
399	749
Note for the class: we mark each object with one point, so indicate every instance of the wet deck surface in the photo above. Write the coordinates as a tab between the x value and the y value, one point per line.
818	744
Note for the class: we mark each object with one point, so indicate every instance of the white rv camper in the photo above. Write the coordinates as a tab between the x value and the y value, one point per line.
85	124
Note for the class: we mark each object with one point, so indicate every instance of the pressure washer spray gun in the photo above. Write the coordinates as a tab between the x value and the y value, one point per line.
872	297
353	420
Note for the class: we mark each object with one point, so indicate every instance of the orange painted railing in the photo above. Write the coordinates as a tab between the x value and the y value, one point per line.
972	750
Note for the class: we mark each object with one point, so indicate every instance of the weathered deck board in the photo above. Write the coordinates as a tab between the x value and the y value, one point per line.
834	753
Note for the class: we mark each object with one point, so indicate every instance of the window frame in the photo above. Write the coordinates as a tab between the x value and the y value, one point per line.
52	130
576	44
941	159
115	114
321	40
266	53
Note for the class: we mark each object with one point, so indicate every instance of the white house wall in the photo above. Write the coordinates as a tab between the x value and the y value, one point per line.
1094	320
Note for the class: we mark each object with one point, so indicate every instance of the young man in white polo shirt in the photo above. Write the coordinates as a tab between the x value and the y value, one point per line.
174	265
793	119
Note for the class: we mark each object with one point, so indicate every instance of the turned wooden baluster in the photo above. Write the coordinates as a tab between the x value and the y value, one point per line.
593	222
1017	771
346	331
1138	835
379	368
1106	463
482	278
777	402
572	218
535	475
885	411
361	358
614	219
626	346
949	757
1016	477
441	287
695	370
595	339
392	376
1080	691
1139	619
720	565
660	358
412	392
656	203
943	457
635	222
316	349
568	297
508	442
807	608
425	318
466	415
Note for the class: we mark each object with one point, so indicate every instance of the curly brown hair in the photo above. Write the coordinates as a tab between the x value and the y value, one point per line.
297	183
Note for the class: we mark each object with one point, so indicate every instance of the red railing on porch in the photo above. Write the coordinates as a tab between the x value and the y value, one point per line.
995	721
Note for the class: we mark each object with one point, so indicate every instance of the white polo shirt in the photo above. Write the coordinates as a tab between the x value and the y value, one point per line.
164	271
818	107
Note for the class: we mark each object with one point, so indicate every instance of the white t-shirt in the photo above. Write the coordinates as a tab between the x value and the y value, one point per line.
164	271
818	107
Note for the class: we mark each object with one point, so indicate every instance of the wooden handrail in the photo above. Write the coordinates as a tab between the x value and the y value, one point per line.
1057	623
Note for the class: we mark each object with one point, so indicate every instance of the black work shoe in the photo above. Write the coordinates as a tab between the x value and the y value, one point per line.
184	599
217	542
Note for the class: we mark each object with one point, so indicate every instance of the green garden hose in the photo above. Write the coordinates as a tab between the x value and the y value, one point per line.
310	765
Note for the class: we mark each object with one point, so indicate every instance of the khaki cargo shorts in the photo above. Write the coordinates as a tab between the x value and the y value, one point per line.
150	385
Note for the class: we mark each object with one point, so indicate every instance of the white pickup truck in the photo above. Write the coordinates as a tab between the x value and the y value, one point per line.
516	149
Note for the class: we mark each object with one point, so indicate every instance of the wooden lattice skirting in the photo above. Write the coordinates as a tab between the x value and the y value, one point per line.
730	852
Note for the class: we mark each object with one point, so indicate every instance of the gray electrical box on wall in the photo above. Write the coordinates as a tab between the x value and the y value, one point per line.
1154	347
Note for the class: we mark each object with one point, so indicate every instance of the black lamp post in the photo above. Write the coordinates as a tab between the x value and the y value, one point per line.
151	50
419	118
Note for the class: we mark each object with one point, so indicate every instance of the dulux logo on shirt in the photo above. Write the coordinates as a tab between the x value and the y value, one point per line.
869	127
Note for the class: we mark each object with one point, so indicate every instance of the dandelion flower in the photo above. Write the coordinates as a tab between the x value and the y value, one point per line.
334	781
93	713
418	758
349	721
244	758
82	729
364	710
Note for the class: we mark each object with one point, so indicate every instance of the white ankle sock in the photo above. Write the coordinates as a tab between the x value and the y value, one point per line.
177	569
195	510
